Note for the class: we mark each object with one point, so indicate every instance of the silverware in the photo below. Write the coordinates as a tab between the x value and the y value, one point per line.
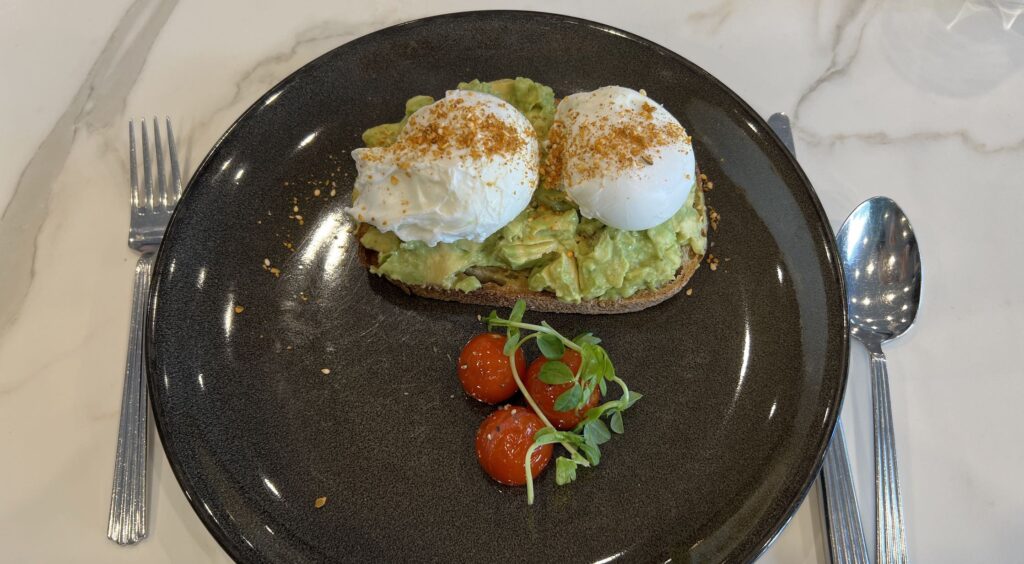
845	534
151	208
882	266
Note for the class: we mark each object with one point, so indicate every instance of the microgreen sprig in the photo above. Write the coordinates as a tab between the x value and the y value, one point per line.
596	371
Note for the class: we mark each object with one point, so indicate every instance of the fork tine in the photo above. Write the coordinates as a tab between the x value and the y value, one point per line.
147	169
175	171
133	169
161	183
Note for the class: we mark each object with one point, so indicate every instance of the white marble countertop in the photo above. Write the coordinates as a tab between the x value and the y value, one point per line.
921	103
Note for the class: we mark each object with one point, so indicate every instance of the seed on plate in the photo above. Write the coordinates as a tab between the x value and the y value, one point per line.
239	309
266	262
295	208
333	192
689	291
320	502
325	370
316	192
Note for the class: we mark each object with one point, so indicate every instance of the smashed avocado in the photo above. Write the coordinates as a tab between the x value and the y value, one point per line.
549	246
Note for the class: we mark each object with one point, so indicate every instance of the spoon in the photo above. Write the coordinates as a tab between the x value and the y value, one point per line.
882	267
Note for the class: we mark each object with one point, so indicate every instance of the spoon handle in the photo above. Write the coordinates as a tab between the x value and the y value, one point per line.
891	542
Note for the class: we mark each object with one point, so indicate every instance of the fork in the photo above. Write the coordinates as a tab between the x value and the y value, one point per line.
151	209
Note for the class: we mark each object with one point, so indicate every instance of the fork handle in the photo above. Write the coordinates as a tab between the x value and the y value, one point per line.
891	542
846	537
127	524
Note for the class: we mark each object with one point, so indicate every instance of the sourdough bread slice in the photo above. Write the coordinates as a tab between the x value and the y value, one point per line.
497	295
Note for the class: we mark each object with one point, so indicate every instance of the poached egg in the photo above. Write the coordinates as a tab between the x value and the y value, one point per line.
461	168
621	157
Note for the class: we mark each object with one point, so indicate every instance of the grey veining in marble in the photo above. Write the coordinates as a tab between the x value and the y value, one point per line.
98	102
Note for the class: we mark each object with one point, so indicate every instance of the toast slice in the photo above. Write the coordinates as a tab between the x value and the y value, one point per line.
498	295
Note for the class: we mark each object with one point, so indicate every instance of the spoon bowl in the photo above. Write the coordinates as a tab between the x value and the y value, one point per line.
882	263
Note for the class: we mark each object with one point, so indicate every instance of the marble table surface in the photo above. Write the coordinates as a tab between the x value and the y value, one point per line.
920	101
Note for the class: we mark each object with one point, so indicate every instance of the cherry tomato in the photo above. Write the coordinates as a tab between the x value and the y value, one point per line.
546	394
484	369
502	442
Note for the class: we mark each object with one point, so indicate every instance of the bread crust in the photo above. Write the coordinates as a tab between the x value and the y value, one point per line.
496	295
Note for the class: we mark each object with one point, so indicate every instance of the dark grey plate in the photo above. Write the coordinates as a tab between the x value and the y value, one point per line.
742	381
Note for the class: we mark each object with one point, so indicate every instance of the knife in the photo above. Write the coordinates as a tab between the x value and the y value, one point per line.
842	515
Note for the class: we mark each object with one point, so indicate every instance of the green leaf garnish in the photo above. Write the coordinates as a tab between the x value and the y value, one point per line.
555	372
551	346
616	422
596	432
511	344
633	398
607	369
565	471
546	436
592	452
490	319
592	362
518	311
569	399
586	339
512	330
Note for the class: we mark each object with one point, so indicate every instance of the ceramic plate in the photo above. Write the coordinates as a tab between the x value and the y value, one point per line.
741	380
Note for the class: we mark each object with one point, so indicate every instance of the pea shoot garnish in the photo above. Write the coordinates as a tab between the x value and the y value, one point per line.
568	381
